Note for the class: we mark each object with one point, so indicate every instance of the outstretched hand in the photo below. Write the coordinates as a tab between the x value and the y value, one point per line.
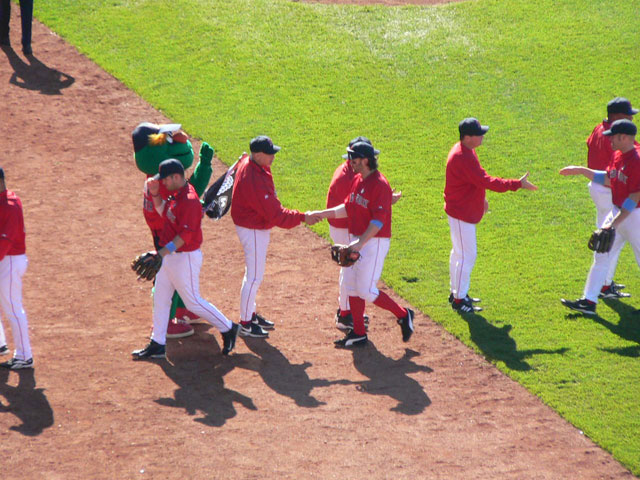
311	218
571	170
395	196
524	180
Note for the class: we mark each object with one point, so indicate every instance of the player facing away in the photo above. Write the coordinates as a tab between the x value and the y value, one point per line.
623	177
599	156
13	265
368	211
180	238
255	210
465	204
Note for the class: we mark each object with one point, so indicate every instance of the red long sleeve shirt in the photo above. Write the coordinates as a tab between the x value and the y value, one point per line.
369	199
624	174
12	234
254	203
338	191
182	215
466	183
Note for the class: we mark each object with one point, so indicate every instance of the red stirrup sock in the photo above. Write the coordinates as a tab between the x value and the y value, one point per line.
357	312
385	301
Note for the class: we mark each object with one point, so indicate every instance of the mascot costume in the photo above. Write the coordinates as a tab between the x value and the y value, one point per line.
151	145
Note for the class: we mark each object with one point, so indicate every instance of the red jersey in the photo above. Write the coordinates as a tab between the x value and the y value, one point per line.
12	235
466	182
600	153
182	216
369	199
153	218
254	202
624	174
339	190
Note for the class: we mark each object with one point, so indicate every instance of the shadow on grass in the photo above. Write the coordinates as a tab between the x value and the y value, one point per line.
497	345
628	327
35	75
283	377
389	377
198	369
633	352
26	402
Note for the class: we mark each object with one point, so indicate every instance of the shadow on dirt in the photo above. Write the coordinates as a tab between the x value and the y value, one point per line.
26	402
497	345
389	377
283	377
35	75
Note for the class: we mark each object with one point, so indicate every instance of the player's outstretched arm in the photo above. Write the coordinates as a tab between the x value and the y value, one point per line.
395	196
524	180
599	176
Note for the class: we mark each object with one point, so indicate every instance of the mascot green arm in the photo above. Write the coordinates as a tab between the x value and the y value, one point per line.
203	171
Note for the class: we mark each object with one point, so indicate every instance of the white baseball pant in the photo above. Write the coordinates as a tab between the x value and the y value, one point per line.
181	271
340	236
362	277
629	231
12	269
463	256
601	196
254	243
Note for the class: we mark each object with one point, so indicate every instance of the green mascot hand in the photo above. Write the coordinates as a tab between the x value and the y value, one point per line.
206	153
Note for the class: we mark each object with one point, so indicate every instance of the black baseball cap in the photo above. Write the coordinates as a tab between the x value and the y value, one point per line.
624	126
169	167
471	126
362	150
356	140
621	105
263	144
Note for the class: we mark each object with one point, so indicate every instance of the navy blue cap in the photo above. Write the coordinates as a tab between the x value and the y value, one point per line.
169	167
363	150
356	140
1	174
624	126
264	145
471	126
621	105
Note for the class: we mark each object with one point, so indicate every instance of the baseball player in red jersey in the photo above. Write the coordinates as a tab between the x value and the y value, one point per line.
368	211
13	265
599	156
465	204
255	210
338	229
622	175
180	238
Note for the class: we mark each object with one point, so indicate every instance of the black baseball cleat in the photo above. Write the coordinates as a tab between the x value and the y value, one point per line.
467	298
17	364
4	350
345	323
351	339
465	306
618	286
229	339
611	291
406	325
253	330
581	305
153	350
262	322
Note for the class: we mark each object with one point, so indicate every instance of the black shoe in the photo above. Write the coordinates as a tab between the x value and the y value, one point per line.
229	339
253	330
27	50
467	298
17	364
262	322
351	340
345	323
581	305
406	324
4	350
618	286
612	291
153	350
465	306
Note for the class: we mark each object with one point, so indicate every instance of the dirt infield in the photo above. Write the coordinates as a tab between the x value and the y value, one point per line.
291	407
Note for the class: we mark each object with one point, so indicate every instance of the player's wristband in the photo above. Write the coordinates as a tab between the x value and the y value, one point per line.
171	247
629	205
377	223
599	177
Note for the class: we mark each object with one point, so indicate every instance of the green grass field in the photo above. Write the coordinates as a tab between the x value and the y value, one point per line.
315	76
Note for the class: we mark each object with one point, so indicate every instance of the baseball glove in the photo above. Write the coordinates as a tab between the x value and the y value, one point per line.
343	255
147	265
602	239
